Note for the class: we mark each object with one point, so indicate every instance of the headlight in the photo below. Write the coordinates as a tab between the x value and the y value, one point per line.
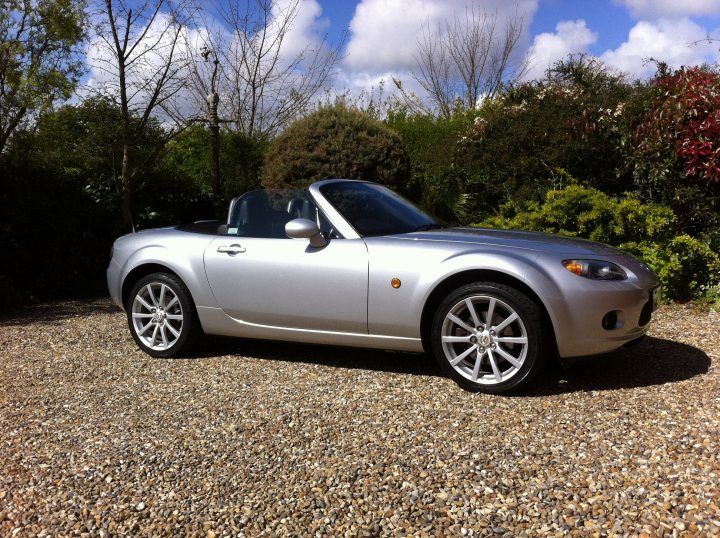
595	269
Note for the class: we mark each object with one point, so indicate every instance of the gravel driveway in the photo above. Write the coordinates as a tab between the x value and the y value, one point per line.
257	438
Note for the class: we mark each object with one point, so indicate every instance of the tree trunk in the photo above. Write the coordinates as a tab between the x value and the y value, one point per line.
126	190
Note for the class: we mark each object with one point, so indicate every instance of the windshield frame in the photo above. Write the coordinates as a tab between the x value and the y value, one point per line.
408	217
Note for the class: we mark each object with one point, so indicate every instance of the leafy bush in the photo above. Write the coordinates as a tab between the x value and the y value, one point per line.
336	142
436	181
684	264
241	159
587	212
60	191
535	136
675	149
711	297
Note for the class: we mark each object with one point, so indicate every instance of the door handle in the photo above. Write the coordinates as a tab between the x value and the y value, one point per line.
232	249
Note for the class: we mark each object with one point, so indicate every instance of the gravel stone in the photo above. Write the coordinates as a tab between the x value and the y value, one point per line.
249	438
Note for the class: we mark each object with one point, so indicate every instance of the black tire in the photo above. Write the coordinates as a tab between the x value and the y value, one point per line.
503	366
163	324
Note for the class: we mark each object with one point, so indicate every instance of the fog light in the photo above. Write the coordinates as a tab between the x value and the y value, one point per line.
609	321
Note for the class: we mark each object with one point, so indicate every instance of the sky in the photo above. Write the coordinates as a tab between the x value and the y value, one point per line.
622	33
381	36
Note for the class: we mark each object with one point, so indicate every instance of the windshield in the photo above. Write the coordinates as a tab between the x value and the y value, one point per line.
375	210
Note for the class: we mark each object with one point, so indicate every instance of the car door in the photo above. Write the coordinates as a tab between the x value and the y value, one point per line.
263	278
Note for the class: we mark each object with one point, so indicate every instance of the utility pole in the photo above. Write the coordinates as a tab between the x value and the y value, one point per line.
213	121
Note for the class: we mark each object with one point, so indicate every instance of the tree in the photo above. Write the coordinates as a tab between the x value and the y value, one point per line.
335	142
39	41
464	61
262	83
145	70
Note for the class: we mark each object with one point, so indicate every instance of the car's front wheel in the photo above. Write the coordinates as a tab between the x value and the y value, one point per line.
488	338
161	315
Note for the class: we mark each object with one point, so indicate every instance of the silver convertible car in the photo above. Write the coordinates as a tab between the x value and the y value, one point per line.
351	263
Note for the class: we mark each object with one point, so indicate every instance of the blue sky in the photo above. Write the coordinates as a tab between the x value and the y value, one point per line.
623	33
382	35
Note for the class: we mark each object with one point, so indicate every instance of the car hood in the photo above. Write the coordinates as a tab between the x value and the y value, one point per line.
539	241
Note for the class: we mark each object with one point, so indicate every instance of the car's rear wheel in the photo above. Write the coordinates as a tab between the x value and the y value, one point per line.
488	338
161	315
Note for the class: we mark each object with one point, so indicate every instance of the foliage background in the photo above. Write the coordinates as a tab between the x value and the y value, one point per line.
583	152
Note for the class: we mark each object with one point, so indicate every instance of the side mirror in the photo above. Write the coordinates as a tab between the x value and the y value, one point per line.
305	229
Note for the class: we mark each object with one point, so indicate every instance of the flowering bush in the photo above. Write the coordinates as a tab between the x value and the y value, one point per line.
690	101
674	151
533	136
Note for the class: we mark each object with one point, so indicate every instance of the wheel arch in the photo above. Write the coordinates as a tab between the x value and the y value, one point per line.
142	271
455	281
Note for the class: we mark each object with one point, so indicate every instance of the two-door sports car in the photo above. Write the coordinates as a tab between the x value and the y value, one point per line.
351	263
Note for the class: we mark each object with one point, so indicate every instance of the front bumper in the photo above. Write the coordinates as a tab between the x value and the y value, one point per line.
585	329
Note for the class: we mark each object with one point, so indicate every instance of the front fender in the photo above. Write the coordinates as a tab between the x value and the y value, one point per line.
421	269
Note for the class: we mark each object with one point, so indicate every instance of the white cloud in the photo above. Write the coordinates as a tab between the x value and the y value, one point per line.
678	42
384	36
384	33
306	28
657	9
570	37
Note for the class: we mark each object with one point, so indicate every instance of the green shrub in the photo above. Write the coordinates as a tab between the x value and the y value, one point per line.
336	142
436	182
533	137
711	297
587	212
241	157
684	264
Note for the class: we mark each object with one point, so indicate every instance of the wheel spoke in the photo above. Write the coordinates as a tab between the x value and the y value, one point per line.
512	317
476	370
462	355
161	299
171	303
143	302
144	329
494	366
505	355
473	313
141	315
175	333
177	317
452	339
151	294
154	335
164	336
512	339
490	312
461	323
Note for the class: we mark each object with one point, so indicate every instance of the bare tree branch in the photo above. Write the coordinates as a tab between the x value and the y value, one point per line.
146	71
467	59
262	85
